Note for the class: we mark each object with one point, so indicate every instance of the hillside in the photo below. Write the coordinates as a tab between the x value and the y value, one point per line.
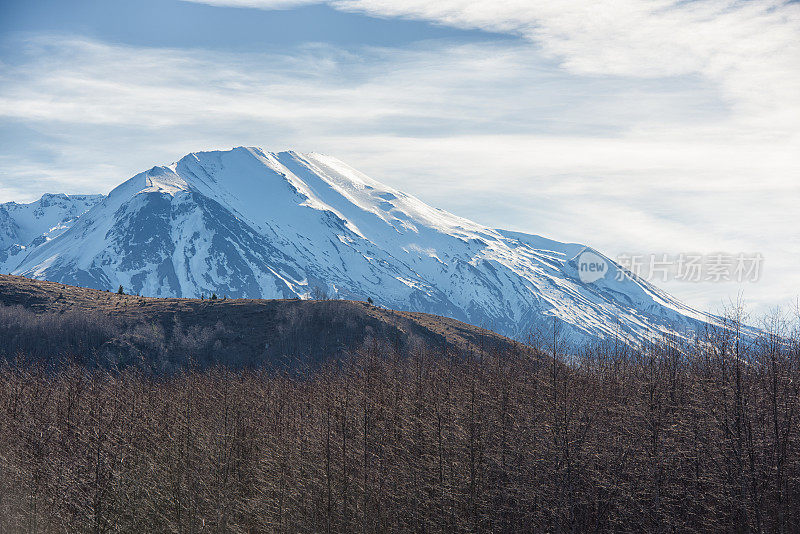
129	328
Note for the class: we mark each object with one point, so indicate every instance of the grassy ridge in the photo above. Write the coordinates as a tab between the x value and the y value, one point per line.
49	322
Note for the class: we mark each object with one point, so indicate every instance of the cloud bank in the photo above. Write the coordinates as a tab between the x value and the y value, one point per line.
750	48
631	126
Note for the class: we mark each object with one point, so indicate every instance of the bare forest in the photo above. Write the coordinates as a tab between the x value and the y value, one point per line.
669	438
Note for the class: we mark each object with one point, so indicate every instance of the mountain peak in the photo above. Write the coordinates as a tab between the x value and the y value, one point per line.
250	223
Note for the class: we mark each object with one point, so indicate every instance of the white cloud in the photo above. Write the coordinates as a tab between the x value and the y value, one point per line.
750	48
660	125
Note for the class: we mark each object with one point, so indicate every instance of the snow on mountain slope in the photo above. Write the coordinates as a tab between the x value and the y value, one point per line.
251	223
23	227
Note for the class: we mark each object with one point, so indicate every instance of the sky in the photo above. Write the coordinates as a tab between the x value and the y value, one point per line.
638	127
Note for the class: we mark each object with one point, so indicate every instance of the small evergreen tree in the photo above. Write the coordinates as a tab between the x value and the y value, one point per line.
369	300
213	296
120	291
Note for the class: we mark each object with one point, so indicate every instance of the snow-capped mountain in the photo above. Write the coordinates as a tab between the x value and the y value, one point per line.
249	223
23	227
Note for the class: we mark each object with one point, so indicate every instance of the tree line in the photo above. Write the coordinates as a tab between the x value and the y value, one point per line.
672	437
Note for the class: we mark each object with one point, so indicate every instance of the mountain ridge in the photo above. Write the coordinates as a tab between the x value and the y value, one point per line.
134	330
250	223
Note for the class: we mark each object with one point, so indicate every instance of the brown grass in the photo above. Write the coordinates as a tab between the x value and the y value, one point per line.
256	331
